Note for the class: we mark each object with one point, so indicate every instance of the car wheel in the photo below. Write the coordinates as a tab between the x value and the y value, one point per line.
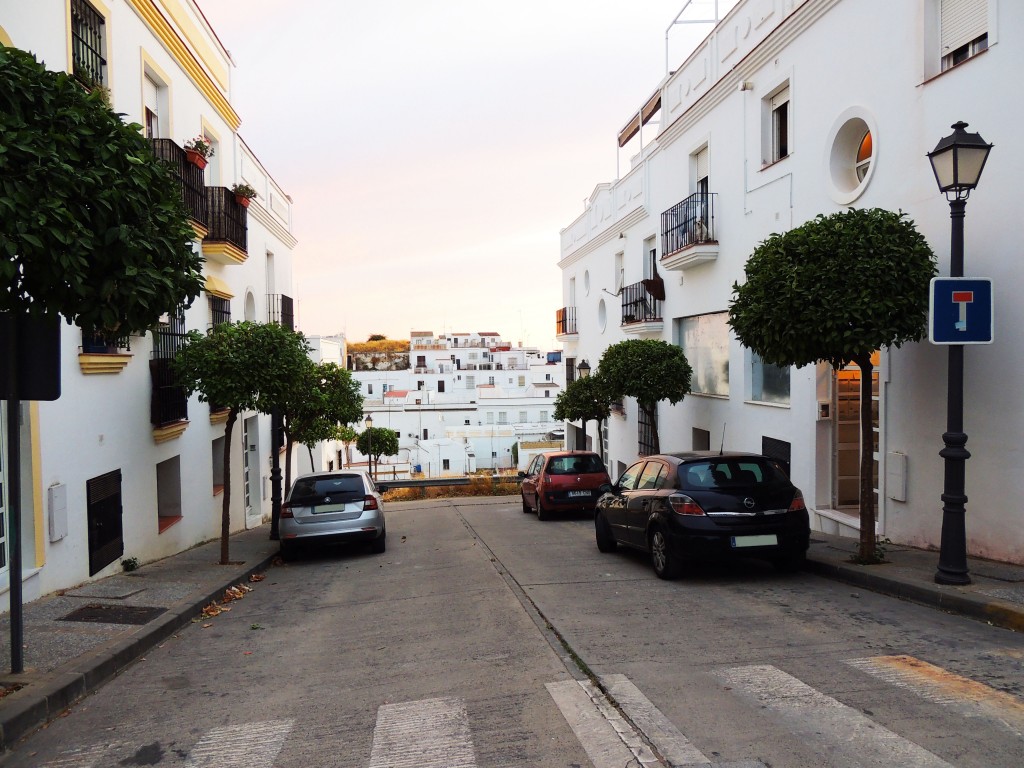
378	545
526	507
603	532
542	514
288	551
665	561
790	563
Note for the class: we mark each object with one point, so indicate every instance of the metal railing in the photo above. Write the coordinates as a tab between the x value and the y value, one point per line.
168	402
638	305
88	64
193	185
687	223
228	219
280	310
565	321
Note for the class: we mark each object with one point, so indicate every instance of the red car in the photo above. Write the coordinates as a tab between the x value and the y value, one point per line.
562	481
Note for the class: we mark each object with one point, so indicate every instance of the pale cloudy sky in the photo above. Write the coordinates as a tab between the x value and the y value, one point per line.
435	148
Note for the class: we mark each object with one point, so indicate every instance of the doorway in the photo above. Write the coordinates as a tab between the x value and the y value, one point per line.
846	437
251	472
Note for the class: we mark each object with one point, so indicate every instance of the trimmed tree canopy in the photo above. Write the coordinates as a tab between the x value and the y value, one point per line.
835	289
92	224
584	399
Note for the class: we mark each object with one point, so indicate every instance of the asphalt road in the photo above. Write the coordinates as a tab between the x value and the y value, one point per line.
438	653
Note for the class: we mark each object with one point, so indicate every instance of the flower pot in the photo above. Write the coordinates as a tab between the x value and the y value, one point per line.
196	158
242	200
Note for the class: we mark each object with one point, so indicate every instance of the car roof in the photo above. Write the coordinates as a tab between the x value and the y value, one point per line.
333	473
557	454
685	456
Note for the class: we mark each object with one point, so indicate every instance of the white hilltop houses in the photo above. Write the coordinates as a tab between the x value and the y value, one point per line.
123	465
781	113
466	402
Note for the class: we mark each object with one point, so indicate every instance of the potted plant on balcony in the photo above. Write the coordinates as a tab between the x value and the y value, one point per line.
198	150
243	194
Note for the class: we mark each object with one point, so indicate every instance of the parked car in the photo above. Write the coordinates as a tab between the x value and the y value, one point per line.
329	507
704	505
562	481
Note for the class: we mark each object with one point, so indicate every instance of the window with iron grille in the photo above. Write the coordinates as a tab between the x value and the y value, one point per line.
87	44
220	311
168	403
645	433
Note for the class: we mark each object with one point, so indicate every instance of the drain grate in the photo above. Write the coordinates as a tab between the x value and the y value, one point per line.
114	614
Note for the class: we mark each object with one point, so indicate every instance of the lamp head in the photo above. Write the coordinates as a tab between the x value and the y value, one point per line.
583	368
958	161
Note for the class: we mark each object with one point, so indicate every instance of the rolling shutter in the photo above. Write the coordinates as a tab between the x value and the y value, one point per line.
962	21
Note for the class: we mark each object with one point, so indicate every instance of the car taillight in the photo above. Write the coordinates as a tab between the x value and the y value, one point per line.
797	505
286	510
370	502
684	505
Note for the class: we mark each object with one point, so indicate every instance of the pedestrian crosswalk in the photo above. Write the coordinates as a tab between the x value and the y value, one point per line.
617	724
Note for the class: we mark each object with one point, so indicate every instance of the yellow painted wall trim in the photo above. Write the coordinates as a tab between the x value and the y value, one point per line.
39	528
165	33
199	229
170	432
219	416
5	39
217	287
224	253
103	362
195	36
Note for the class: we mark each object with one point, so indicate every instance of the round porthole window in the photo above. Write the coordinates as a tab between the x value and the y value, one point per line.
853	151
602	316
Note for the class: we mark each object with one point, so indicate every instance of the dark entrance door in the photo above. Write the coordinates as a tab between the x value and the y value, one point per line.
106	544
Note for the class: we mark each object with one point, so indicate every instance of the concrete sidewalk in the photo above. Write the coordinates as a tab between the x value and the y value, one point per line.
67	659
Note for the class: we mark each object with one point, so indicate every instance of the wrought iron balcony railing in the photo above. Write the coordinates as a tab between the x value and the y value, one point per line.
280	310
565	321
193	187
229	221
687	223
639	304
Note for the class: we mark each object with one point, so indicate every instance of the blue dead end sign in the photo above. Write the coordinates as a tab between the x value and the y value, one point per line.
960	311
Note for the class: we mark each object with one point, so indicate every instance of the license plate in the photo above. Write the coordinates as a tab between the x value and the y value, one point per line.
767	540
576	494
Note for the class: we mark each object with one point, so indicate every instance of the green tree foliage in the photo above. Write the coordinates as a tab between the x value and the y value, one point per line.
326	397
585	399
649	370
348	437
376	442
835	290
92	224
243	367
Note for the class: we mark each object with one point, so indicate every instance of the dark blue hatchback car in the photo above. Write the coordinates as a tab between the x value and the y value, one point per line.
702	505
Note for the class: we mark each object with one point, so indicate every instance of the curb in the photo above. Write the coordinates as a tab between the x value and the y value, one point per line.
43	700
999	613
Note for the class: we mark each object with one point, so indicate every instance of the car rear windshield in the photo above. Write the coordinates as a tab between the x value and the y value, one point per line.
730	473
575	465
313	490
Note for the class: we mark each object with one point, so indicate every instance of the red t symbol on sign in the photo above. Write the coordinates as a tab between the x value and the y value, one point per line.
963	298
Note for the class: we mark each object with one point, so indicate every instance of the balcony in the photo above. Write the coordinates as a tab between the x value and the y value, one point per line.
565	323
688	232
193	186
641	308
227	241
280	310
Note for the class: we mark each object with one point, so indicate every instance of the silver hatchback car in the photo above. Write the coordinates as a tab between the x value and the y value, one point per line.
329	507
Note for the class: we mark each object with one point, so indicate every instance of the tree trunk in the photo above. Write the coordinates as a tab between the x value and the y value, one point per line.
288	465
311	467
867	494
225	515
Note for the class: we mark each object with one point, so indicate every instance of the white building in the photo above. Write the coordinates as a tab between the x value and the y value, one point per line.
463	404
787	110
121	465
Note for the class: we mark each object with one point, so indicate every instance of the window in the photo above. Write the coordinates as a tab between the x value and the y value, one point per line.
543	416
369	389
88	44
154	107
701	439
445	464
645	433
523	417
440	385
168	493
490	380
963	30
217	464
864	152
220	311
522	381
502	417
470	382
768	383
778	109
705	341
168	403
490	417
851	158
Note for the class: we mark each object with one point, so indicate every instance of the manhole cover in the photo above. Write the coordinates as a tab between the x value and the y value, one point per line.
114	614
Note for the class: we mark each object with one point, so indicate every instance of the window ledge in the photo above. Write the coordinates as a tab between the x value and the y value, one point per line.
166	521
218	490
219	416
766	403
169	432
103	362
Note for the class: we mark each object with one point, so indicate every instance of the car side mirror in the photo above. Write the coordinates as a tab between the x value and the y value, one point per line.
522	474
606	488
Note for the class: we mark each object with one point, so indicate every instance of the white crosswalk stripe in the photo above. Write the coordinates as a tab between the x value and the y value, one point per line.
84	757
432	733
252	745
853	739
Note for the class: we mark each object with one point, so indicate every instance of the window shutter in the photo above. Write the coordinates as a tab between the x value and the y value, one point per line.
149	95
780	98
702	164
962	21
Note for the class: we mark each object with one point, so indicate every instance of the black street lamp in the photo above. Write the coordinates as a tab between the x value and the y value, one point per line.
957	161
583	368
368	421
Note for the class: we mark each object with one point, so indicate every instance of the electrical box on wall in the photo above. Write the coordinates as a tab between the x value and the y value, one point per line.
824	410
57	504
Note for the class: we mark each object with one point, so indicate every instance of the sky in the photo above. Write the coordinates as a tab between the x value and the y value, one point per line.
434	149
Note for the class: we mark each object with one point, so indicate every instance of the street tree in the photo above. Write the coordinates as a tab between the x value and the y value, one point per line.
242	366
835	290
585	399
649	370
376	442
326	399
93	226
348	437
